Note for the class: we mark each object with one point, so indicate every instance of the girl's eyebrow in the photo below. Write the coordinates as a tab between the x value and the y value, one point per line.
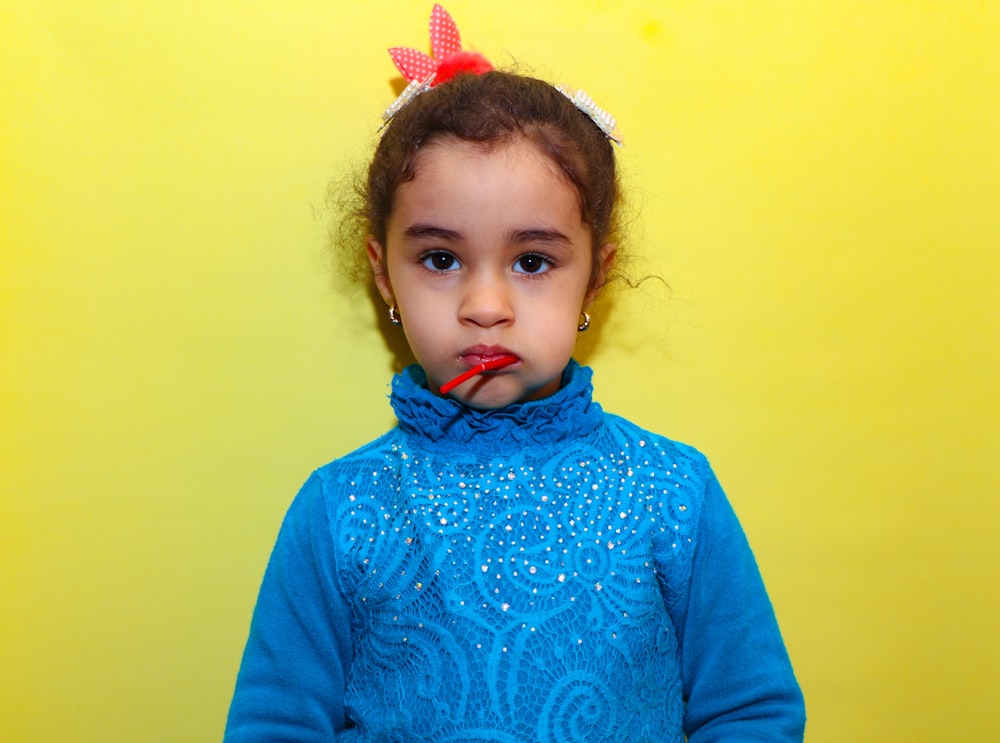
424	231
540	235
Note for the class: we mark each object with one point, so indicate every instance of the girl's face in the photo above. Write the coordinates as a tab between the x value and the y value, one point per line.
486	254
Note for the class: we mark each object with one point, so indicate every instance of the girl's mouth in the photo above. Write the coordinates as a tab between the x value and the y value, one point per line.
482	354
482	360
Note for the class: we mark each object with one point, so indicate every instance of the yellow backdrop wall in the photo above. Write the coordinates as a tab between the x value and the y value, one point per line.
818	182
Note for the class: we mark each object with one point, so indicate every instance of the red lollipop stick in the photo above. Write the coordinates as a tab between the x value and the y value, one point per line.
498	363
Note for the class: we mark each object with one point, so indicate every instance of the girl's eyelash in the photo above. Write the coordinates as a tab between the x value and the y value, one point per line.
447	262
443	261
547	263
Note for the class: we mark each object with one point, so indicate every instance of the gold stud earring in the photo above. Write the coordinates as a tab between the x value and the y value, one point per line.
394	316
584	321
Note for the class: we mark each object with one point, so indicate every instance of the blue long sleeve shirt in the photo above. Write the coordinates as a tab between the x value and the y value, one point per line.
546	573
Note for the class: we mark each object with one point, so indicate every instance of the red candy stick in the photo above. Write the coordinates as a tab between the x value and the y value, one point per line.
498	363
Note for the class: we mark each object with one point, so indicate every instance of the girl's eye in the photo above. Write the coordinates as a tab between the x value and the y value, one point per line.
532	263
439	260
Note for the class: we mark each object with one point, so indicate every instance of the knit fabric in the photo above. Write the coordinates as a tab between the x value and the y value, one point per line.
544	573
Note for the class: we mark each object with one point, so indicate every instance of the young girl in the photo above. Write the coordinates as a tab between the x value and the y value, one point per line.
509	563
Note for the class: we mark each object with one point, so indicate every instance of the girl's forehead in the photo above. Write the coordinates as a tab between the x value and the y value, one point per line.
465	188
517	155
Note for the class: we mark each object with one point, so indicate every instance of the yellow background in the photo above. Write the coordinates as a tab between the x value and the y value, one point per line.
818	182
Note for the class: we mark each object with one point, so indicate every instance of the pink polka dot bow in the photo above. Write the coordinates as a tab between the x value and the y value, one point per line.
448	59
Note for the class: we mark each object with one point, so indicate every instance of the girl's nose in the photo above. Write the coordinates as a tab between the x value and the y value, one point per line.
486	302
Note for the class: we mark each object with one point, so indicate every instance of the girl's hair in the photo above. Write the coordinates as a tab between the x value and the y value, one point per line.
492	110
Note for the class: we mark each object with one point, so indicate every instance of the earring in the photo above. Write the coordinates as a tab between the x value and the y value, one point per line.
584	321
394	316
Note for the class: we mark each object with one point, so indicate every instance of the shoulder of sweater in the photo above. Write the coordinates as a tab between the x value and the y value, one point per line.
667	446
373	450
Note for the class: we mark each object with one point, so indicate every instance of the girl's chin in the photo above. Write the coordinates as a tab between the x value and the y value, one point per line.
481	399
482	394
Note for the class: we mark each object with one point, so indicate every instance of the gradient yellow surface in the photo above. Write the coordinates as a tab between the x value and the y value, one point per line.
818	182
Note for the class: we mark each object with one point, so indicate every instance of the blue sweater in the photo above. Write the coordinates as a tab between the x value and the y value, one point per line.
545	573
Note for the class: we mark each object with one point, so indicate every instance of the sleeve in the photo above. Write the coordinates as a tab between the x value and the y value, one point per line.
738	680
290	685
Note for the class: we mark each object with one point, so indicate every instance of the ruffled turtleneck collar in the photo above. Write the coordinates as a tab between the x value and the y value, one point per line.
447	424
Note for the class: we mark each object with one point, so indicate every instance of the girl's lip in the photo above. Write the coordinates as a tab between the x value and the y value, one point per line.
476	355
484	367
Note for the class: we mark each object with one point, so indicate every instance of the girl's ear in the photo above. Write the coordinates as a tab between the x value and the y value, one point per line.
605	260
376	256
